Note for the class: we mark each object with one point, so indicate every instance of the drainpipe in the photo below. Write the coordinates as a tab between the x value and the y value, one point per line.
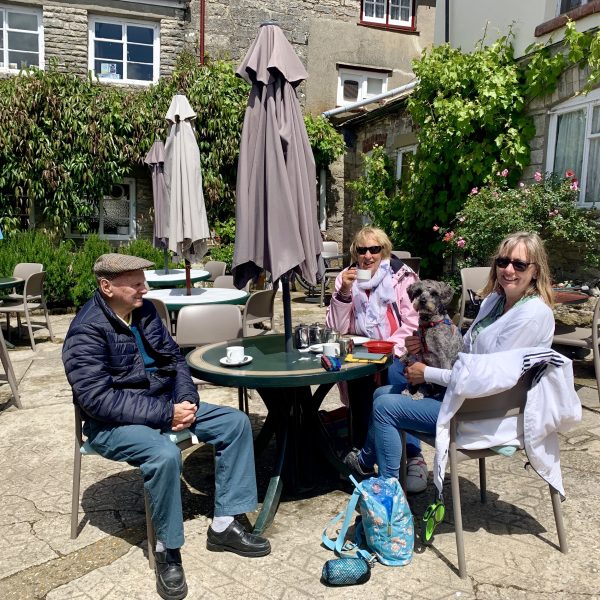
447	21
202	17
403	88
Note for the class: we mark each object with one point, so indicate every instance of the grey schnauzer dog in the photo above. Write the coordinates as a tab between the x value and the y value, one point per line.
440	338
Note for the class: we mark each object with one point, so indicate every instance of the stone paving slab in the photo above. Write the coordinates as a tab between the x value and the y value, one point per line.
510	542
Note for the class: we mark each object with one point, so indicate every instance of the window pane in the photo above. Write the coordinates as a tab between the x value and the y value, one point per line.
369	8
1	18
380	9
108	70
112	50
138	53
141	35
116	215
109	31
23	59
374	86
569	142
567	5
22	41
22	21
350	90
139	72
1	41
596	119
592	184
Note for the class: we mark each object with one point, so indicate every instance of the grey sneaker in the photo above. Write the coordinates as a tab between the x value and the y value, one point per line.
353	463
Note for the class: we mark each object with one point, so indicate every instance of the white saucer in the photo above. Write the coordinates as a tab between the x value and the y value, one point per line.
317	348
227	363
359	341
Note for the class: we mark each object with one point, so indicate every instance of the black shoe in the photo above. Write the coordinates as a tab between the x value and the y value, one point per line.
236	539
353	463
170	578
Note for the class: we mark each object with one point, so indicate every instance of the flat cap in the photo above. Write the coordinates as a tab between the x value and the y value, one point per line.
111	265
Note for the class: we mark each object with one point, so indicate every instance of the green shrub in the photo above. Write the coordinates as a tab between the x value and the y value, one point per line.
45	248
547	207
144	249
84	284
223	252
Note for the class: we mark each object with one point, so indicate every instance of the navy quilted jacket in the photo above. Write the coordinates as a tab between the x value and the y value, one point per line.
106	370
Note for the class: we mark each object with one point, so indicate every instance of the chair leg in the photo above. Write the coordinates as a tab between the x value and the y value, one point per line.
560	526
322	298
28	319
482	481
48	322
243	399
10	373
458	528
75	494
149	531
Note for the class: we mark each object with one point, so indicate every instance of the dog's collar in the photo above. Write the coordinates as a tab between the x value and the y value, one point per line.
428	324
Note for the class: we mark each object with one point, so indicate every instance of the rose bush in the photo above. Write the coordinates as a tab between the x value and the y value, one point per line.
547	206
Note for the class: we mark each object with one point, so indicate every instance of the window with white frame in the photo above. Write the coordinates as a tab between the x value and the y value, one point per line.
114	218
574	144
123	50
404	162
21	38
398	13
355	85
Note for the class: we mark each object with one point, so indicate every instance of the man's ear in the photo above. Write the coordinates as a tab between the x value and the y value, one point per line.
106	288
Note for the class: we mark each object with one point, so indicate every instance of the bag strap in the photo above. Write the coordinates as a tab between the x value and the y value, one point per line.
340	546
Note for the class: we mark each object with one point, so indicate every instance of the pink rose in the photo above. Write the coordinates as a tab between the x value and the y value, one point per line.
461	243
474	191
521	184
504	173
569	173
574	185
436	227
448	236
537	176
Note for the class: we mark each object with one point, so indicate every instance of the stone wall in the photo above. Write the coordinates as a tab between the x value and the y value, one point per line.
66	37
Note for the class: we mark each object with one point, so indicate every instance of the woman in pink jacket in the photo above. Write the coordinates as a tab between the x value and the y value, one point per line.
381	310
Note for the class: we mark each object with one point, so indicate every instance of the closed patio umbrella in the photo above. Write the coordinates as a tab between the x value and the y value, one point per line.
155	159
188	226
276	206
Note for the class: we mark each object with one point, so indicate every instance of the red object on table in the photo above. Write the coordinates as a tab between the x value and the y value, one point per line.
379	347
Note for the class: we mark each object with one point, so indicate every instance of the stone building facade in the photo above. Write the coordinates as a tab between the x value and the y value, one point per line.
344	50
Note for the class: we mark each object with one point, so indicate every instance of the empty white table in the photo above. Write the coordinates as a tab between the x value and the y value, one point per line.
176	298
160	278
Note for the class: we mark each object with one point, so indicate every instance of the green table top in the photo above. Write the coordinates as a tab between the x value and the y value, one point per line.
271	366
160	278
177	298
9	282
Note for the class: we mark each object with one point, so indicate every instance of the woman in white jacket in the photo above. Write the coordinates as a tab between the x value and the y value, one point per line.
516	313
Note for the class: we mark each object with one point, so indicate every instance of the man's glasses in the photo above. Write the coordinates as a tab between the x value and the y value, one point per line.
519	265
372	249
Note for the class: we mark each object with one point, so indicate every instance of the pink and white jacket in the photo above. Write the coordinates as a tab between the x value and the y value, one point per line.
340	314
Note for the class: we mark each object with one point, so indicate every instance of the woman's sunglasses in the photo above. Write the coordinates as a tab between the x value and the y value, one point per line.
372	249
519	265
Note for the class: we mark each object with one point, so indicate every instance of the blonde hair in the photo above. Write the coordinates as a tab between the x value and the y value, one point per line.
382	240
536	254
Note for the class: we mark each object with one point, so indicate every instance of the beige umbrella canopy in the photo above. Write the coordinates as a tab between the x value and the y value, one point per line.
276	205
188	231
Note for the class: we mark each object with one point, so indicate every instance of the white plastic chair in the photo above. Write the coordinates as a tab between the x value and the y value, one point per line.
401	254
258	309
473	279
215	268
508	403
33	293
23	271
226	281
333	266
163	313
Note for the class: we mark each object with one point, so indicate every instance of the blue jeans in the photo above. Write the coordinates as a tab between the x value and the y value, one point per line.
159	460
393	412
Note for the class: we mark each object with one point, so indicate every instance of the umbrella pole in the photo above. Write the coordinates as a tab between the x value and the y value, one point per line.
188	280
287	312
166	256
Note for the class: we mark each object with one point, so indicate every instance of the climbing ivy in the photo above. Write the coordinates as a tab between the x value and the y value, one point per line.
65	140
469	113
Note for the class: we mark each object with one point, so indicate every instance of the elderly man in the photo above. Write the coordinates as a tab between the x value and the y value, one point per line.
133	385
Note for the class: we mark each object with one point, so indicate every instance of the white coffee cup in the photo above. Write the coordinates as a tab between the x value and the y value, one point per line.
235	354
331	349
363	274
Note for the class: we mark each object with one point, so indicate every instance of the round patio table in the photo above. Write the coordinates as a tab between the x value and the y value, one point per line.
283	381
10	282
176	298
160	278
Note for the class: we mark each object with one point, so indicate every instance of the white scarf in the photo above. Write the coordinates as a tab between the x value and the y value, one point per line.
370	312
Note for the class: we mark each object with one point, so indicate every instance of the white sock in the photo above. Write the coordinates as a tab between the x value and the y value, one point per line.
160	546
220	524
